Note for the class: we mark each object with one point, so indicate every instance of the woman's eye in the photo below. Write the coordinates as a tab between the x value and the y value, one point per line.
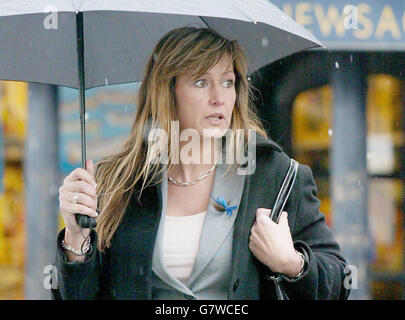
198	81
230	83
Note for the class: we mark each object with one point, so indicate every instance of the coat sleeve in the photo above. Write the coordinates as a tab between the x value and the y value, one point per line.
76	280
324	275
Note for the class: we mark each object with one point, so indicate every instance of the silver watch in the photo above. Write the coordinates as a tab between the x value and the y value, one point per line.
302	264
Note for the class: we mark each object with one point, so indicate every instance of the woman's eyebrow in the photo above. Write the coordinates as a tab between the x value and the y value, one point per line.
222	73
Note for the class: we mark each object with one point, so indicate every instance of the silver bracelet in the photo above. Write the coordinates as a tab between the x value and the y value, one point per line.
75	252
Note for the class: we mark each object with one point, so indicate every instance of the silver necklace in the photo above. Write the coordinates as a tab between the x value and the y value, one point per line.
190	183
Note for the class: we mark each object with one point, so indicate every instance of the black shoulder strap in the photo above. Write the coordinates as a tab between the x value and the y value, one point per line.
284	191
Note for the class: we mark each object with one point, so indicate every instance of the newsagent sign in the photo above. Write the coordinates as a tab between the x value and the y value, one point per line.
354	25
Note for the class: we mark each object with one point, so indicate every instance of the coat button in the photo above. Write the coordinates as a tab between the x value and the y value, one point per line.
235	285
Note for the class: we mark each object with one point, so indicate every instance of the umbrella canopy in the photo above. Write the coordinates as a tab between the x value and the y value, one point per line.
89	43
38	38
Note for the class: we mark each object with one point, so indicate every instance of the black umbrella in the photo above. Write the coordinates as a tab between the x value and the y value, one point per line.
89	43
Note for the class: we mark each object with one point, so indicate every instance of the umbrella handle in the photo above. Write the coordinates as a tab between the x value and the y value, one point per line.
85	221
82	220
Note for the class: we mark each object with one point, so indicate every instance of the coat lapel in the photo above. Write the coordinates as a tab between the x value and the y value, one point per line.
132	241
217	225
260	191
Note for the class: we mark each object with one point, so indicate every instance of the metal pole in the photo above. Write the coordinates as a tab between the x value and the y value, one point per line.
41	171
349	178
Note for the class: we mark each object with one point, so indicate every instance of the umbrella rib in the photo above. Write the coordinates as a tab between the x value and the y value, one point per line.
206	23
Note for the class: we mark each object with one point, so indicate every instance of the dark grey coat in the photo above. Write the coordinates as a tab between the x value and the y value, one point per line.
124	271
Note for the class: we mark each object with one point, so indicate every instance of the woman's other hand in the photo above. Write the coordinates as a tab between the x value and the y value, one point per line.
272	244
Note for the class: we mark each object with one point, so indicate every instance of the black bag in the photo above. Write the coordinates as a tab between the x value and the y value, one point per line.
278	207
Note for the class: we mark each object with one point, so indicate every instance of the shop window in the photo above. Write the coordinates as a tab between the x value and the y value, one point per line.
13	106
385	144
312	128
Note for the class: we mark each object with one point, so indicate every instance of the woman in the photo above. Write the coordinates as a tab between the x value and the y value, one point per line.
178	222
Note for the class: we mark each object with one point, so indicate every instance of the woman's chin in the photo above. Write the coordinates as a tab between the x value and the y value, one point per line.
216	132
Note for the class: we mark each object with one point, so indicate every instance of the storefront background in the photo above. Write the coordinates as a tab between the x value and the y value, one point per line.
372	26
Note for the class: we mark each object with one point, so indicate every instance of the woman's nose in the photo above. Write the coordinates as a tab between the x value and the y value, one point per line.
217	97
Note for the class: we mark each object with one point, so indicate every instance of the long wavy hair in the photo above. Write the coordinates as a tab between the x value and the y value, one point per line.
187	50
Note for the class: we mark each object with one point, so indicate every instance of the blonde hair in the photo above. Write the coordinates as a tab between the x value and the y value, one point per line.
187	50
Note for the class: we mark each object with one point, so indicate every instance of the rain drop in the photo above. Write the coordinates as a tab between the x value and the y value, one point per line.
265	42
337	65
351	58
106	81
254	21
86	116
330	132
77	12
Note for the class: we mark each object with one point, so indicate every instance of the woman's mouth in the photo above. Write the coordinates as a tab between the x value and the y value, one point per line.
215	119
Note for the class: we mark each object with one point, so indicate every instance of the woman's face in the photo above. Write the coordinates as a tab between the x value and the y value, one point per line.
207	102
